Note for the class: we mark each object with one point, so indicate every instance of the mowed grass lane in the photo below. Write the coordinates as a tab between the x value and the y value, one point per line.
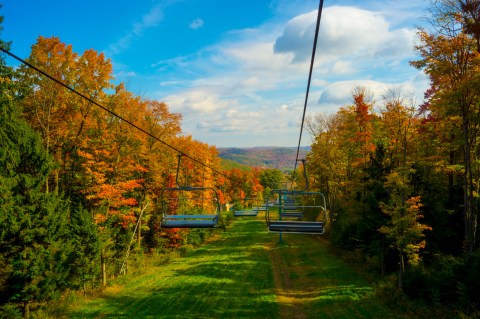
311	283
230	277
244	273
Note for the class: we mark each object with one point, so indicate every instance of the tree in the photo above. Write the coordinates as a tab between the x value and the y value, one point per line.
364	119
33	224
404	229
271	179
84	237
450	56
59	115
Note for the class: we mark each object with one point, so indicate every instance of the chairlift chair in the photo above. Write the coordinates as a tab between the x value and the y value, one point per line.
288	205
188	220
246	212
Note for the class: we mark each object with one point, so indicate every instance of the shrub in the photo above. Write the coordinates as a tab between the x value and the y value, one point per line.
10	311
470	282
437	284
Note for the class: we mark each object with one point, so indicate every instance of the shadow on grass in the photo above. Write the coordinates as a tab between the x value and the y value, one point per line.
189	301
228	278
244	274
311	283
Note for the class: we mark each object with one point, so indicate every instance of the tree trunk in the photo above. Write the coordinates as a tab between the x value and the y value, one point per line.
468	196
84	283
383	256
139	233
103	267
26	309
401	270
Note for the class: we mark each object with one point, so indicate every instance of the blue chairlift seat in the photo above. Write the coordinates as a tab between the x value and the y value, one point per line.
189	221
296	227
247	212
291	214
293	210
193	220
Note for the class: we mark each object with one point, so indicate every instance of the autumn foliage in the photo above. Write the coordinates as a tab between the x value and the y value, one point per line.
402	182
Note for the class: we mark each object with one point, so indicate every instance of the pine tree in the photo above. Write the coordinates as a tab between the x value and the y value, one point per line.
84	235
33	233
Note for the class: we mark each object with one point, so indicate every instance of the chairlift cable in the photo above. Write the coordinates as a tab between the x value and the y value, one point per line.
109	111
319	15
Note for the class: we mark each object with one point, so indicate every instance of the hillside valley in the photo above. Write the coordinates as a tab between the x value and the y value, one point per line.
282	158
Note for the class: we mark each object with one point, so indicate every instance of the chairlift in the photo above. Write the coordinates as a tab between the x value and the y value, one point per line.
188	220
249	212
290	209
292	206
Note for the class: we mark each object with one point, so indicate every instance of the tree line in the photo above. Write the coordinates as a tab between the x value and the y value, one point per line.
74	178
403	180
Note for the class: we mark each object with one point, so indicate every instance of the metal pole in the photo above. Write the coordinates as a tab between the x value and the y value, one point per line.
280	207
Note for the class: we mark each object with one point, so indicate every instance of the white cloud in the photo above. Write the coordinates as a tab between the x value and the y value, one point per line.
340	93
341	68
123	75
199	100
253	84
196	24
148	20
345	31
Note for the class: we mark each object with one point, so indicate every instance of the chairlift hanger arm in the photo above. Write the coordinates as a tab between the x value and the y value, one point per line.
304	174
188	220
178	170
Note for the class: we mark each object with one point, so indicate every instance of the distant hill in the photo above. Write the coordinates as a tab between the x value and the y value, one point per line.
282	158
229	164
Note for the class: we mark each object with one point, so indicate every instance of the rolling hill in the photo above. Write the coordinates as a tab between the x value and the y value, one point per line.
282	158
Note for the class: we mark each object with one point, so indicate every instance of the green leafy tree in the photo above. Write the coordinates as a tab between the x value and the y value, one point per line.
404	228
271	178
450	56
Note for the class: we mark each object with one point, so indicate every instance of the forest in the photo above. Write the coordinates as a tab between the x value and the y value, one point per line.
263	157
401	179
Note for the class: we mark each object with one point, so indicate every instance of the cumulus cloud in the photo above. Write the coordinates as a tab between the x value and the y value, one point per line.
253	82
340	93
199	100
344	31
196	24
232	121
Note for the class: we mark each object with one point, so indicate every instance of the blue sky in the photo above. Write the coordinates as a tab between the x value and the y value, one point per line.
236	70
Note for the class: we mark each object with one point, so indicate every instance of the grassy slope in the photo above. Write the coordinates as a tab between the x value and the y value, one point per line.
244	273
282	158
229	164
229	277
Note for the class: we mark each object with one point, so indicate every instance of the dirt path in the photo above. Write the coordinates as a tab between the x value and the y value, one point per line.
290	307
242	273
311	283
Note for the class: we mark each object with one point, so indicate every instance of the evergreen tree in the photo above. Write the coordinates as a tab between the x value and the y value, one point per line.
33	233
84	235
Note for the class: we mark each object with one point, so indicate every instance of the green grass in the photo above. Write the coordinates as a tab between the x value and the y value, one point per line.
244	273
315	284
230	277
229	164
